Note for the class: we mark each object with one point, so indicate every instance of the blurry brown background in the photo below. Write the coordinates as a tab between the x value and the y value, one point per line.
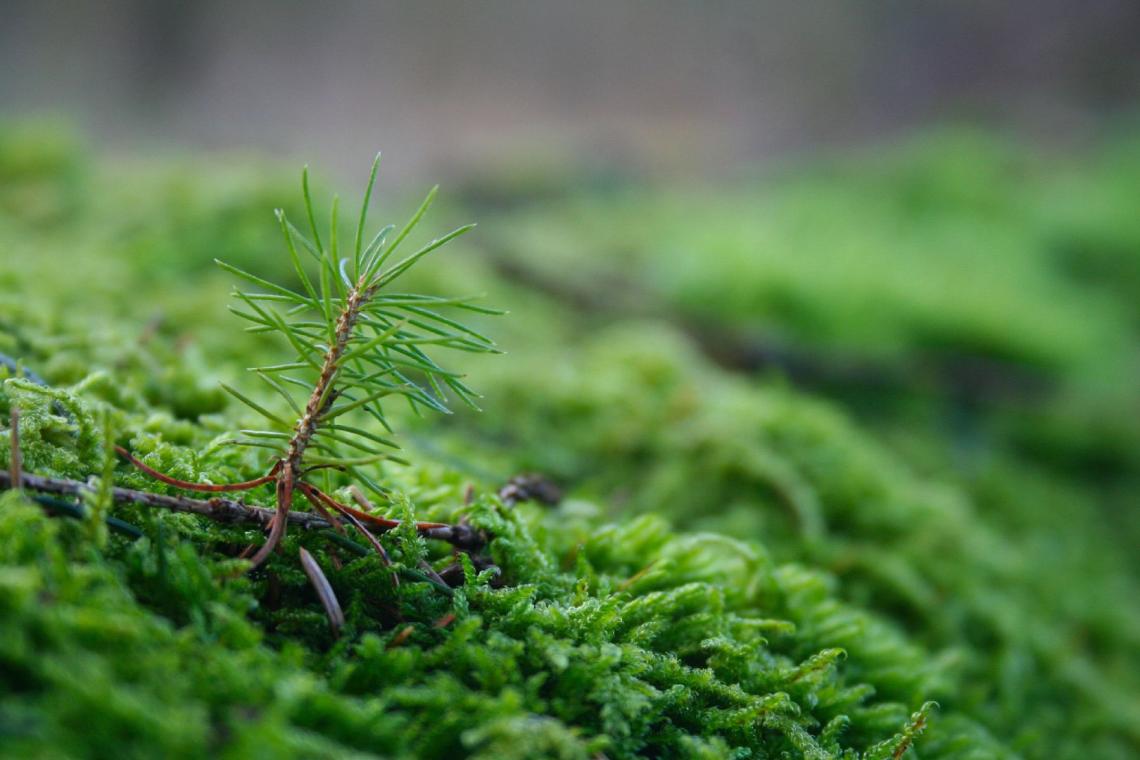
673	87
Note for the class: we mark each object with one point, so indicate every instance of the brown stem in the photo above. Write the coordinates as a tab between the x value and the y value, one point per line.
314	499
285	471
226	510
323	511
379	522
307	425
207	487
280	518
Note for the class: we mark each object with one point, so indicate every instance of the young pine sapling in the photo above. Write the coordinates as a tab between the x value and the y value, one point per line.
355	343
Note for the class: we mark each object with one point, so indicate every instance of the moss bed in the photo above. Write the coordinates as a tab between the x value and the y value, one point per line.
882	508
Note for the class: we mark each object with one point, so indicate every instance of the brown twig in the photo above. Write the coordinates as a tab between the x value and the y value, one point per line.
363	501
288	470
189	486
314	497
229	511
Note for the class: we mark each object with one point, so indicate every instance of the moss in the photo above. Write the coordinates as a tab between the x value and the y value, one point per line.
874	564
1005	574
144	648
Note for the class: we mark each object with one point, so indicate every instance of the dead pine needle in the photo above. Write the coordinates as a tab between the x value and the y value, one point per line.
401	637
324	591
430	572
624	585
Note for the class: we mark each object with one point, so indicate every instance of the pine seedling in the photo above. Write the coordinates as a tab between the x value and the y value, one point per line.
355	343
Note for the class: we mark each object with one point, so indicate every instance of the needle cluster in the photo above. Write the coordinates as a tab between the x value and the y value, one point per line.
356	342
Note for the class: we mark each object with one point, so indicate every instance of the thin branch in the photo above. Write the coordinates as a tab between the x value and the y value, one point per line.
207	487
276	524
380	522
310	494
225	510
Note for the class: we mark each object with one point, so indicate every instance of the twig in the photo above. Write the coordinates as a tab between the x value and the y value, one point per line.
246	485
304	520
530	487
312	495
229	511
363	501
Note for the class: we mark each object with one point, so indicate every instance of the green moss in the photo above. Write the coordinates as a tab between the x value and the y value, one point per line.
874	564
1005	574
651	643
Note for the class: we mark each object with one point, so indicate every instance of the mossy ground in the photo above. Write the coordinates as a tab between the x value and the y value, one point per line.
932	499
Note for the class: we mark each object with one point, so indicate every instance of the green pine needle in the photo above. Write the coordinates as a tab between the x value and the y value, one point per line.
353	343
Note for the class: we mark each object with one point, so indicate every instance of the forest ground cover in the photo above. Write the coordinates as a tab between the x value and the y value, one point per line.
834	445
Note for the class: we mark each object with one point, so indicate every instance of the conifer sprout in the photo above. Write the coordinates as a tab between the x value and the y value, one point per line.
355	343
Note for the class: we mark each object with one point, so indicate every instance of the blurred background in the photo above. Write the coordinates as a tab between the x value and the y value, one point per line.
672	88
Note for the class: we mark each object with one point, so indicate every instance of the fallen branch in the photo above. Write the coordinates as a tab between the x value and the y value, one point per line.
228	510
